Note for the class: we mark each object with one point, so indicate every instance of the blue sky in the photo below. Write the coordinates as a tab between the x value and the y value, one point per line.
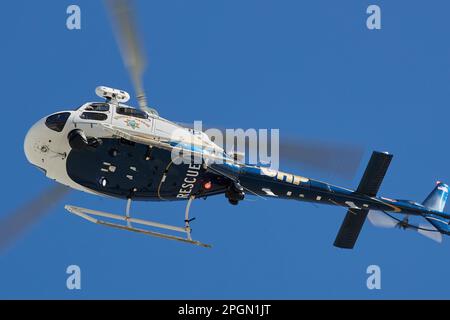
310	68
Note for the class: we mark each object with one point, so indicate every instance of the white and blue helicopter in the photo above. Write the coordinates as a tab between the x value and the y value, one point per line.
108	148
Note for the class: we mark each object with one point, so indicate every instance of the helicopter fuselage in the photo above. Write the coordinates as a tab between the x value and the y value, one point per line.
125	169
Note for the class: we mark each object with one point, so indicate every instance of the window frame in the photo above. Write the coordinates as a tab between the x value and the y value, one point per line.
97	104
102	114
136	113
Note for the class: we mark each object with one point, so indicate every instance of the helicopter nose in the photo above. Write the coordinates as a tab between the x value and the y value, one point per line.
44	139
32	145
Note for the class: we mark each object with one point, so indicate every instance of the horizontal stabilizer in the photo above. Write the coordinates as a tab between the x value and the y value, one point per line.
369	185
350	228
374	174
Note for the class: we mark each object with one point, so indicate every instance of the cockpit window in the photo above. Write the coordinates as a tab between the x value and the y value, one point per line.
132	112
57	121
103	107
94	116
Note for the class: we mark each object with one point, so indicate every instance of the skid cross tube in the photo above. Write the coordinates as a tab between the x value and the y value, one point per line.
186	218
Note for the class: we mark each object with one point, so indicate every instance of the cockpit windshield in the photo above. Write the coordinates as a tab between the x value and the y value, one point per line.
57	121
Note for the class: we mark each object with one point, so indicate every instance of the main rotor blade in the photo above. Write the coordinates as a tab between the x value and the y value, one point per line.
15	224
124	20
336	158
333	158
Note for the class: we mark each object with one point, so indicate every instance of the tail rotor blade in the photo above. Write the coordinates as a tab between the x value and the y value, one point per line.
15	224
381	220
429	231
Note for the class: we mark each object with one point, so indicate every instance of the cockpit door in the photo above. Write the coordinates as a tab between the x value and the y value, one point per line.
90	115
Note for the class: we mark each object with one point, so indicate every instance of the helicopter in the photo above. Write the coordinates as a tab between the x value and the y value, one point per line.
108	148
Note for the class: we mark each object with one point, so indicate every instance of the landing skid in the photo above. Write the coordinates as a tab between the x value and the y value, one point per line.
90	215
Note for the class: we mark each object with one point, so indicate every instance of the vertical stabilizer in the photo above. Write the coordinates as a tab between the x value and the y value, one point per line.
437	198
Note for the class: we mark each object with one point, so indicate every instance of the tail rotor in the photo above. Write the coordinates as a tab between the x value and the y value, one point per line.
386	220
